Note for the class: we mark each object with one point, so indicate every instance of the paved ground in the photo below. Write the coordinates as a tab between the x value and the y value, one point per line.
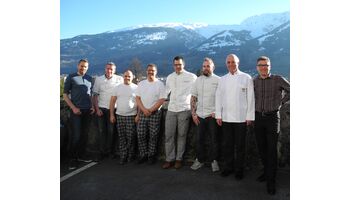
109	180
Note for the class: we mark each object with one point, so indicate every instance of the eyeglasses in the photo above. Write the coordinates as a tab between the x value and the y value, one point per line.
263	65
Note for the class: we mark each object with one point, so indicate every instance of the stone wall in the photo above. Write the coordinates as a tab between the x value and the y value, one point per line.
252	158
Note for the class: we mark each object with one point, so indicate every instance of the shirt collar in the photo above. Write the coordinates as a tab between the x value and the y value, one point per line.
268	76
235	73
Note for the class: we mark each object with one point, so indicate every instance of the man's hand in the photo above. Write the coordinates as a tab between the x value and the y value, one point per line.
99	112
137	119
195	119
112	119
92	110
249	122
219	121
76	111
147	112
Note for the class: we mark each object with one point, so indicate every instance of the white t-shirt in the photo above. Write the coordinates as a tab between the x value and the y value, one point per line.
104	87
150	92
126	103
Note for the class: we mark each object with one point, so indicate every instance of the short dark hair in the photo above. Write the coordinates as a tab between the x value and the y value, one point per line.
179	58
152	65
111	63
83	60
263	58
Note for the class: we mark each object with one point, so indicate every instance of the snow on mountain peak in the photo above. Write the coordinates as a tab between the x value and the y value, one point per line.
149	38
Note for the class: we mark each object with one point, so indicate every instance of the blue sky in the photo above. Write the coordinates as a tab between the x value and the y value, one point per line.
97	16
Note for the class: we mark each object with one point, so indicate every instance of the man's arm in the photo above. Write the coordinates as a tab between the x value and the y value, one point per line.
157	105
112	109
70	104
218	104
95	103
142	107
194	109
285	86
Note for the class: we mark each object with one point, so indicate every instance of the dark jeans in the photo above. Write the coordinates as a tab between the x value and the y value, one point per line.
234	140
79	136
106	133
266	130
207	126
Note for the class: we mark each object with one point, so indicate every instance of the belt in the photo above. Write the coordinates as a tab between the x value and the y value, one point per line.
266	113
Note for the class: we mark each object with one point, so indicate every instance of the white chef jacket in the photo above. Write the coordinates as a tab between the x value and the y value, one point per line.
204	89
104	87
180	87
235	98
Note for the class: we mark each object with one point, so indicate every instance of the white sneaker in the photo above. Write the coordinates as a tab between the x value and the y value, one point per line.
196	165
215	166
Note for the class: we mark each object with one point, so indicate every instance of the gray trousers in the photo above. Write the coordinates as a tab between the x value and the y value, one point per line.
181	122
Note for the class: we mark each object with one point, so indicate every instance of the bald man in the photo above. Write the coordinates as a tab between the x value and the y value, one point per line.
124	100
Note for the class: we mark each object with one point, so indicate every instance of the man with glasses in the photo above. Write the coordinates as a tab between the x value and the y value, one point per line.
203	114
150	96
77	95
269	97
178	84
234	112
102	90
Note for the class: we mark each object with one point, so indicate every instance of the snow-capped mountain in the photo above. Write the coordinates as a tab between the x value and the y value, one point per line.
261	24
257	25
266	34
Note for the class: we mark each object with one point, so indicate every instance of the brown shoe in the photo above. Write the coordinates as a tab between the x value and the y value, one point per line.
167	165
178	164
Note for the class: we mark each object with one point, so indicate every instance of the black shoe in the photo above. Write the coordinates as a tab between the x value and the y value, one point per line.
141	160
226	173
271	189
261	178
122	161
73	164
151	160
131	159
114	156
239	175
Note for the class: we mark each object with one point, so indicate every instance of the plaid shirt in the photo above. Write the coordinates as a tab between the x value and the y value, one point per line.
268	93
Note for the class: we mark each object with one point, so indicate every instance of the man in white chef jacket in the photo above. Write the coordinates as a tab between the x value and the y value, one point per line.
178	116
234	111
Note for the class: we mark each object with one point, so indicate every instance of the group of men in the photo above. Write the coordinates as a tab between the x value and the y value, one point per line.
233	102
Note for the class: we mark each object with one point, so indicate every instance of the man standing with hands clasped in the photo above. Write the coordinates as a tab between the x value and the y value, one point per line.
203	114
150	96
268	99
234	111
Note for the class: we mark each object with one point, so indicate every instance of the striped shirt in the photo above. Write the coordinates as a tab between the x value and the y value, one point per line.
268	93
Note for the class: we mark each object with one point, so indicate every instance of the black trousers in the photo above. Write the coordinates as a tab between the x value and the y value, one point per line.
106	133
266	128
207	127
234	142
79	135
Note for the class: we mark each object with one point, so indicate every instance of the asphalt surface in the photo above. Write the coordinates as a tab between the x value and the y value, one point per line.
107	180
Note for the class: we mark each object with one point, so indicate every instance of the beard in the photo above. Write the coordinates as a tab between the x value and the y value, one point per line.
206	73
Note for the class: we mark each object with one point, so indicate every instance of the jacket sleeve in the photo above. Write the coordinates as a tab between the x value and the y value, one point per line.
218	101
251	101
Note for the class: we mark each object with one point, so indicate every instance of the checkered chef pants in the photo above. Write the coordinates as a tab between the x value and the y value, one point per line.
127	135
147	133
